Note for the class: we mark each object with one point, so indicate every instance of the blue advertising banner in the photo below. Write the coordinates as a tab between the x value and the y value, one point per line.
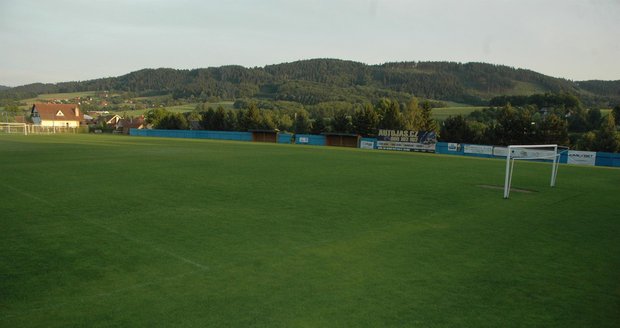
406	140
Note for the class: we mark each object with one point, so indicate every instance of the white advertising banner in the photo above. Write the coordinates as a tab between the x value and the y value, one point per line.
500	151
367	144
405	146
453	146
478	149
533	153
581	157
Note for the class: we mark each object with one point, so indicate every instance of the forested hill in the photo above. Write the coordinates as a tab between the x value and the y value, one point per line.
319	80
2	87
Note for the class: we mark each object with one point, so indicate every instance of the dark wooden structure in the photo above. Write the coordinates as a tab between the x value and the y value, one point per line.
342	139
265	135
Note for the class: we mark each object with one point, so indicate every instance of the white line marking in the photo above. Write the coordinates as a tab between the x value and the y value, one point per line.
135	240
138	241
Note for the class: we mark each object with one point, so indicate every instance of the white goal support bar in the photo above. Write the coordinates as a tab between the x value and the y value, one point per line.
14	128
510	158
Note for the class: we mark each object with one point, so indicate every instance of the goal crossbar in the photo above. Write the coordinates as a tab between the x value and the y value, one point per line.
510	158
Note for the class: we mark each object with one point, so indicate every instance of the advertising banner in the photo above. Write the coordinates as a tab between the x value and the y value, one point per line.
406	140
500	151
533	153
453	147
367	144
581	157
478	149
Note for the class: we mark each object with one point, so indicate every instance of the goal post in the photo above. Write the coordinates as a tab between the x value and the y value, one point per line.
531	152
14	128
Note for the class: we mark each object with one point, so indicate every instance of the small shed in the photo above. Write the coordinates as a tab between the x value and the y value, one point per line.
265	135
342	139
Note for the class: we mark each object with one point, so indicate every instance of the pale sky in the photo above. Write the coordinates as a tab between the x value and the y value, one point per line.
71	40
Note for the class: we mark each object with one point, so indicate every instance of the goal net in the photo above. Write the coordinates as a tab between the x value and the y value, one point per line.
14	128
543	153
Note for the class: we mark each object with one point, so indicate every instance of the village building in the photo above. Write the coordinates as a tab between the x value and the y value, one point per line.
56	115
111	120
126	124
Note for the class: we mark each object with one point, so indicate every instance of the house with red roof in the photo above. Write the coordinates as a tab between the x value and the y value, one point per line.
56	115
131	123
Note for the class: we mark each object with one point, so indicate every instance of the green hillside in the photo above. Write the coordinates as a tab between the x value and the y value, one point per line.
315	81
112	231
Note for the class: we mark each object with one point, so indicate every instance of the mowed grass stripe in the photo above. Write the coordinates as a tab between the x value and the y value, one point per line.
297	236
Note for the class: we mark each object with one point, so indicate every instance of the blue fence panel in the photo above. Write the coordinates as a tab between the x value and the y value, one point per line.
285	138
449	148
564	157
310	139
607	159
196	134
602	158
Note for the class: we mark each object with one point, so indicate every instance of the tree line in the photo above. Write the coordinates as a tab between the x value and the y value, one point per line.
565	123
363	119
574	127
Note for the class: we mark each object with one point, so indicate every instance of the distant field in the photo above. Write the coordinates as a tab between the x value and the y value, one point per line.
443	113
50	96
178	109
126	231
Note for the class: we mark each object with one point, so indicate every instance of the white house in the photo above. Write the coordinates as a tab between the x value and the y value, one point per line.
57	115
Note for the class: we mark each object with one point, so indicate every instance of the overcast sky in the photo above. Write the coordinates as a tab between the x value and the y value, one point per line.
68	40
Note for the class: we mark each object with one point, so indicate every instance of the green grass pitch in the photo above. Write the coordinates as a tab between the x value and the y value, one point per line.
103	231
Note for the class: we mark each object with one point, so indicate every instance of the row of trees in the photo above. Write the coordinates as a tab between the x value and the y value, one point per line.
569	126
577	128
364	119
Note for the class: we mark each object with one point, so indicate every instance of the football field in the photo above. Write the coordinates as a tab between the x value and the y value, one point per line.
104	231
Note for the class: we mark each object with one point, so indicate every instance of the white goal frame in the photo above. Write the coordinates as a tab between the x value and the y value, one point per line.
510	158
14	128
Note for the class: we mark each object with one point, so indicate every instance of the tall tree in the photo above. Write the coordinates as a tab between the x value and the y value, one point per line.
218	119
412	116
390	116
154	116
268	120
285	122
207	118
594	118
607	137
428	123
231	123
302	123
319	125
342	122
456	129
366	120
616	112
173	121
587	141
577	121
513	126
553	130
252	118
